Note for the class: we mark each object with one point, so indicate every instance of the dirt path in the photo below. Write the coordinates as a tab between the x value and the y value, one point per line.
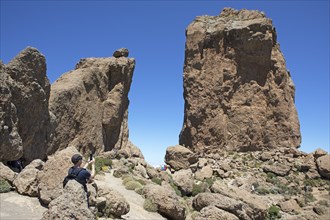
135	200
14	206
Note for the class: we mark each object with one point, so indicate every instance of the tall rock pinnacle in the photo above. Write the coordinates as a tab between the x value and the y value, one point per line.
238	94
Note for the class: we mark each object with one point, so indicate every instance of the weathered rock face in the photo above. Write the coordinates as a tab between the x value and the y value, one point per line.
179	157
238	93
29	88
91	105
11	147
25	119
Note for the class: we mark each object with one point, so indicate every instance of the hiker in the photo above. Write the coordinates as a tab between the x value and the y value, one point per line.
82	175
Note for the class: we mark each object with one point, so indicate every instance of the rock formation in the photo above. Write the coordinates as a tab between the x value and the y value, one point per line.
238	94
51	177
72	204
91	105
25	119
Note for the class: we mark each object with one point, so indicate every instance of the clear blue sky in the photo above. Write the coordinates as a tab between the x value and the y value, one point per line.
154	33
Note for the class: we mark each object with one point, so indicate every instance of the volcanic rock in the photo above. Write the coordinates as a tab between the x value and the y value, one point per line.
6	173
179	157
26	181
25	120
72	204
323	165
168	203
53	173
91	105
122	52
238	94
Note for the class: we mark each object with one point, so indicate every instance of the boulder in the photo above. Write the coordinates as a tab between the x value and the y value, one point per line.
111	203
258	203
26	120
213	213
167	202
238	93
26	181
290	206
204	173
72	204
184	180
53	173
91	105
323	165
6	173
319	153
236	207
278	169
179	157
122	52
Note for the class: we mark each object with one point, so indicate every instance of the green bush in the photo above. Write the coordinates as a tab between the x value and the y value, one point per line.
156	180
126	179
4	186
102	162
149	205
176	189
261	191
139	190
199	188
273	213
132	185
209	181
309	198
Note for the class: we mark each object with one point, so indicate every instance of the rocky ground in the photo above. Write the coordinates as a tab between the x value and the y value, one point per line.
277	184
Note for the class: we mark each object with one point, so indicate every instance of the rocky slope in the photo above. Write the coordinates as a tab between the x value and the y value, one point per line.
238	94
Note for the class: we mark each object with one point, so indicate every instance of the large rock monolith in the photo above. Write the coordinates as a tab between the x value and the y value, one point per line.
24	116
91	105
238	93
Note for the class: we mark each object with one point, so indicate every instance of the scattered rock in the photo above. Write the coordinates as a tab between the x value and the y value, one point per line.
168	203
278	169
184	180
26	181
179	157
290	206
204	173
111	204
213	213
6	173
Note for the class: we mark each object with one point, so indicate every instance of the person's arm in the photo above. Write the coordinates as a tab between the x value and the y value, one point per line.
89	162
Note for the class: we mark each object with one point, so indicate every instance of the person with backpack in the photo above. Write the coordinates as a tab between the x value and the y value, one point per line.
80	174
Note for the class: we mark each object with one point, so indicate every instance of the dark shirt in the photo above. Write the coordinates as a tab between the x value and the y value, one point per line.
82	177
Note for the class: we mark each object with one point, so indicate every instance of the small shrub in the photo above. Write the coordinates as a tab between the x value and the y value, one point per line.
324	203
176	189
141	181
199	188
139	190
309	198
209	181
101	163
261	191
127	179
156	180
149	205
132	185
4	186
273	213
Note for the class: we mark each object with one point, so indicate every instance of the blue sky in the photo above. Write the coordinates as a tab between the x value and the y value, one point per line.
154	33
